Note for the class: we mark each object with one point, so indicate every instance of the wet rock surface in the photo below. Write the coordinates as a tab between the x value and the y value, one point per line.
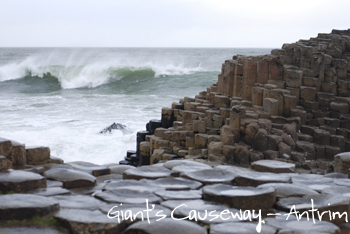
24	206
169	225
20	181
240	197
71	178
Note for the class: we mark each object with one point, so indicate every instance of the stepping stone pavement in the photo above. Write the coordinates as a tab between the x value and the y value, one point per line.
25	206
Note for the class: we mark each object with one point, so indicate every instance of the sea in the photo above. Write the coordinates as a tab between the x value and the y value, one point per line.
63	97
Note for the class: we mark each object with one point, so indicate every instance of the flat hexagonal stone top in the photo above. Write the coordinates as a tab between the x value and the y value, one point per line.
301	178
317	185
254	179
83	202
167	225
240	197
210	176
88	190
179	195
273	166
31	230
184	162
24	206
241	228
93	169
247	177
128	196
20	181
71	178
342	182
302	226
336	175
53	191
146	172
108	178
138	212
133	185
87	221
119	169
322	202
203	211
172	183
289	190
177	170
337	191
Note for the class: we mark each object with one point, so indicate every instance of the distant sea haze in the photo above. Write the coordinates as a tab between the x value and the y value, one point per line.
63	97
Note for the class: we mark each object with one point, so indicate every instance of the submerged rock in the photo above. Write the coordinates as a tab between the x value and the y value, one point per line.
114	126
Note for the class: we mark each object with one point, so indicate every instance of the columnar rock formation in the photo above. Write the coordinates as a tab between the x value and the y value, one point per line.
291	104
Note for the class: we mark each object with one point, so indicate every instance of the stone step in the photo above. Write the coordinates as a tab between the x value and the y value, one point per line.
25	206
71	178
19	181
240	197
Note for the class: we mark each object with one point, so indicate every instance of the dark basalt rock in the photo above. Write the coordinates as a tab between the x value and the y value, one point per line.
177	170
115	126
167	225
246	177
210	176
71	178
240	197
25	206
82	202
93	169
146	172
87	221
303	226
240	228
133	185
179	195
20	181
127	196
52	191
171	183
289	190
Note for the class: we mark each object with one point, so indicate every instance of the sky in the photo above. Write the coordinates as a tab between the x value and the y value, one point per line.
167	23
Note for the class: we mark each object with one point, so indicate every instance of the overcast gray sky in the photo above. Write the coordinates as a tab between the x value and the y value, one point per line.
167	23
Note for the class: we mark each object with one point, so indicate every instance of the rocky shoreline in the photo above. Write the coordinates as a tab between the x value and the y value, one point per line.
268	142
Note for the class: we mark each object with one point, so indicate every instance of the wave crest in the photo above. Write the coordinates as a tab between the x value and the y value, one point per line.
91	75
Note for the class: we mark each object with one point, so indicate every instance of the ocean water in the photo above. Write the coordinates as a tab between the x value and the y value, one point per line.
63	97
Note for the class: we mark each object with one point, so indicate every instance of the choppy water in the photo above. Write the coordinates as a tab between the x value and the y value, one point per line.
63	97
